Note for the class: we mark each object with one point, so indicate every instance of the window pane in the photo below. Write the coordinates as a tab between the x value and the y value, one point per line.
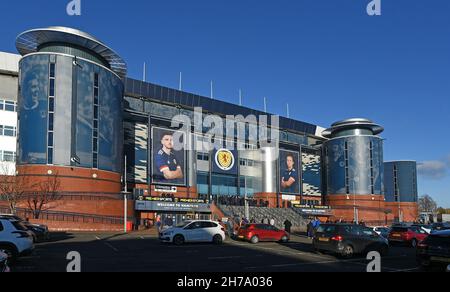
50	139
52	87
50	155
51	104
50	121
52	70
9	131
8	156
9	106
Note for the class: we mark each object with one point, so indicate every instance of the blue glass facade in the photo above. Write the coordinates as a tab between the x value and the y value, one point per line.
354	165
400	180
70	108
33	109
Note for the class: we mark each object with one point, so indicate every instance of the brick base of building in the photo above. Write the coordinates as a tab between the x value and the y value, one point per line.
372	209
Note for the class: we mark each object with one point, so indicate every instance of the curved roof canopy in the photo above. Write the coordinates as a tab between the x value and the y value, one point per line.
355	123
30	41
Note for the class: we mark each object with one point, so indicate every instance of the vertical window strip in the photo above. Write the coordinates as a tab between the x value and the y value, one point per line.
51	112
347	177
95	135
372	179
396	191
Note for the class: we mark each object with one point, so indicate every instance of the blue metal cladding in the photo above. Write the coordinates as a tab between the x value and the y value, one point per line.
33	113
400	179
33	109
354	165
142	89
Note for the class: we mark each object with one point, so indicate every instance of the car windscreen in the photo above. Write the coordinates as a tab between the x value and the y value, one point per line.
183	224
19	226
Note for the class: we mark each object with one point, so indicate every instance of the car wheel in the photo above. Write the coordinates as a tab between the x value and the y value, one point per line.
284	239
348	251
11	252
254	239
414	243
178	240
217	239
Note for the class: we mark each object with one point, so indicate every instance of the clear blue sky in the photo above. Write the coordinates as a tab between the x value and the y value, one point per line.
327	58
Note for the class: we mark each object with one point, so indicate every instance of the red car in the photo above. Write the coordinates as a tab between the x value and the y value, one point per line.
410	235
255	233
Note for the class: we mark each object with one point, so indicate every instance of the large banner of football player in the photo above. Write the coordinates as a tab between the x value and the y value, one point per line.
289	172
169	157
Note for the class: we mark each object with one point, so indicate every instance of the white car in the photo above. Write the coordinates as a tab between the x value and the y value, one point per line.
194	231
15	240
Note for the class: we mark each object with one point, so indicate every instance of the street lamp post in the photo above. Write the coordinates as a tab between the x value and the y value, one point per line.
246	206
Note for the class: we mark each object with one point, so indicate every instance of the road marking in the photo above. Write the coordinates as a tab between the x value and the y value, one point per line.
107	244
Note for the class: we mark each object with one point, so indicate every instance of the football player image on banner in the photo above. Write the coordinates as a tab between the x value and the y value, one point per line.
168	163
289	172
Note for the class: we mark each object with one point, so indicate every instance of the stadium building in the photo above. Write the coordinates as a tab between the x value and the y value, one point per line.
103	137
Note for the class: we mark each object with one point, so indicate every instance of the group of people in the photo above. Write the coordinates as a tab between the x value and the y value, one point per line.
239	201
341	221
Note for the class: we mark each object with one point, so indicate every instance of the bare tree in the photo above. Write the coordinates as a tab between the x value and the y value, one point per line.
13	187
45	195
427	204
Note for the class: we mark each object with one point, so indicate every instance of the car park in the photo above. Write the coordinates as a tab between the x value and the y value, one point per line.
15	240
255	233
440	227
4	263
347	240
39	232
194	231
434	251
427	228
409	235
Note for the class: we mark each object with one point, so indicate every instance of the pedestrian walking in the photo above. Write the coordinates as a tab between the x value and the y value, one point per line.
287	226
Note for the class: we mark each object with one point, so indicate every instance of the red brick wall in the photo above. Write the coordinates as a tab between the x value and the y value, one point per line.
410	211
371	208
74	179
61	226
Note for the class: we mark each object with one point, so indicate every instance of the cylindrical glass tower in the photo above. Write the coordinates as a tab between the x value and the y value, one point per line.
70	107
354	158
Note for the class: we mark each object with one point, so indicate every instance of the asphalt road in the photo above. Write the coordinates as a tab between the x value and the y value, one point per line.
144	253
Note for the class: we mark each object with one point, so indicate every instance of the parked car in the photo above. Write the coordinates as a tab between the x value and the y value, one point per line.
383	231
4	263
425	227
434	251
194	231
255	233
439	227
39	232
15	240
348	239
410	235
